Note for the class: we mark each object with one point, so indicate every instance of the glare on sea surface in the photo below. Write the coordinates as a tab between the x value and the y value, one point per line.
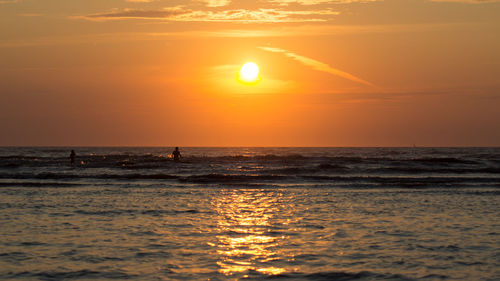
243	243
249	73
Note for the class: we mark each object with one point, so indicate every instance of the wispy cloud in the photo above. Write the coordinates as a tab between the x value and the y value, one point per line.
287	31
138	14
317	65
468	1
316	2
96	38
237	15
320	30
217	3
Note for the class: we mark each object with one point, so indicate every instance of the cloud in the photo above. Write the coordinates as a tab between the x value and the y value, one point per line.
237	15
138	14
317	2
279	31
388	96
76	39
217	3
320	30
317	65
282	31
468	1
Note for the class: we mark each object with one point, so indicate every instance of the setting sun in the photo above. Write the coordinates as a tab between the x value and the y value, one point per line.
249	73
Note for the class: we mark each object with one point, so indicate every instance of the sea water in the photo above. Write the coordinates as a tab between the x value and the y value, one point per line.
250	214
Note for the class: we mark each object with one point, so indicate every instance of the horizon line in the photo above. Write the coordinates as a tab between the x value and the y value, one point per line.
245	146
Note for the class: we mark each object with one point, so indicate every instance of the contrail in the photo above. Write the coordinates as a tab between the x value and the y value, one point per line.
318	65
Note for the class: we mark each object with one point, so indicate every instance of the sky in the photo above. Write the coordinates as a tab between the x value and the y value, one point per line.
332	73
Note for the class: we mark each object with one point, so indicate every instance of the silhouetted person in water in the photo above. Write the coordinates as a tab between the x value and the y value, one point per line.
176	154
72	156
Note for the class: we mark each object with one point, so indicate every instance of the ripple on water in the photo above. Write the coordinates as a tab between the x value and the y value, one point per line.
68	275
14	257
241	233
327	276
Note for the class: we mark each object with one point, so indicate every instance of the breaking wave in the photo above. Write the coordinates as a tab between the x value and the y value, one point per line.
383	167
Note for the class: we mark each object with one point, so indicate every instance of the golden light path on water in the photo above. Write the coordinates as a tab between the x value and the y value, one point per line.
244	243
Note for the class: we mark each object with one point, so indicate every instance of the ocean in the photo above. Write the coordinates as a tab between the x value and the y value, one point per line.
132	213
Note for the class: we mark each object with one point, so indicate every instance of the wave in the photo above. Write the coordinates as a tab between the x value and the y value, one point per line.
88	274
66	176
339	167
246	177
221	178
430	170
137	212
256	180
444	160
14	256
335	275
130	160
39	184
308	169
67	275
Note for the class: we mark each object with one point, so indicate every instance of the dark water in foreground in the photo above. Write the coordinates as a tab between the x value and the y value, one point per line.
250	214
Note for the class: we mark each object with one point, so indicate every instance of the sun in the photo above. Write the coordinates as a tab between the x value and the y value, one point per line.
249	73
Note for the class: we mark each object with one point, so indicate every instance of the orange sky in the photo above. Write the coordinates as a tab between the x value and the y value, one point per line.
333	73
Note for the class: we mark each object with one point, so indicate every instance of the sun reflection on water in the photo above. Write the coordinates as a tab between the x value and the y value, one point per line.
247	239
